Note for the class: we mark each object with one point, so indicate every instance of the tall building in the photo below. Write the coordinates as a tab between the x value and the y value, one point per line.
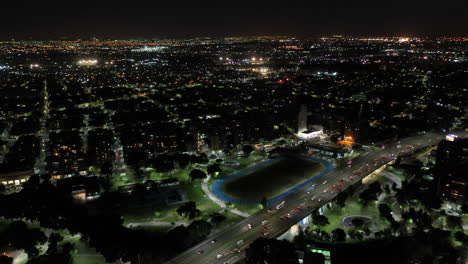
302	119
452	169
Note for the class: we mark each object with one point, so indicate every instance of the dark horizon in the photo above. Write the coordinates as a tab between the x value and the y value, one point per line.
53	20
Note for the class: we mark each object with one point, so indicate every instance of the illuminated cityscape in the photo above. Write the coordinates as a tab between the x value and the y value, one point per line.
197	144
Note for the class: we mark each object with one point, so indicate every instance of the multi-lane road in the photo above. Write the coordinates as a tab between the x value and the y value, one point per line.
228	246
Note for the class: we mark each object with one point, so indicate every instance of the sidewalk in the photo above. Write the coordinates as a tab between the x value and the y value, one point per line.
218	201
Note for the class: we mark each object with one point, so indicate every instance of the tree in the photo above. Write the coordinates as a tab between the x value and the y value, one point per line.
197	174
264	202
2	188
355	234
371	193
454	222
217	218
338	235
199	229
460	236
54	239
341	198
319	220
183	160
247	149
465	208
213	168
20	237
189	210
386	212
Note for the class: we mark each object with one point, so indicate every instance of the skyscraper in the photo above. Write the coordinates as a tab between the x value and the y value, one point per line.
302	119
451	169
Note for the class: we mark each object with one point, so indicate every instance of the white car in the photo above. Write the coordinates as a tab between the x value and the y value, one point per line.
280	205
324	182
219	256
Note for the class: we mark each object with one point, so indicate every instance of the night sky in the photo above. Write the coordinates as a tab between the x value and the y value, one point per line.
130	19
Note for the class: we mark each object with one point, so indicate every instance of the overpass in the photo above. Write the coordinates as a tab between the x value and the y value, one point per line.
231	243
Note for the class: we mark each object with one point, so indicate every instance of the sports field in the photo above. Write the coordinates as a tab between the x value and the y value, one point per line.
273	180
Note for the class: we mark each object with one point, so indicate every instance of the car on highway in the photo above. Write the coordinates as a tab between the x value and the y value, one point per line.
280	205
265	233
199	252
213	241
324	182
299	207
219	256
240	242
265	222
249	226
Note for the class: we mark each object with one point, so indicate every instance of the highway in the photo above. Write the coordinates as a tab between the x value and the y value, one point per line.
229	245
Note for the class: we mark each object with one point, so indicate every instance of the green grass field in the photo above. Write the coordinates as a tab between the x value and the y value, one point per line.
273	179
336	214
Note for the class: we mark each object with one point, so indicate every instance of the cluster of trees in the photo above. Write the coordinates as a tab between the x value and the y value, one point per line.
17	235
370	194
319	220
212	169
338	235
165	162
43	203
189	210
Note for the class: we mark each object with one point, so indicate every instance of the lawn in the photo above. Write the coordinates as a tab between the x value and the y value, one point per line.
273	179
84	253
193	192
336	214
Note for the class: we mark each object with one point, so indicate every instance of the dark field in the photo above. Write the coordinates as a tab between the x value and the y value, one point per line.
273	180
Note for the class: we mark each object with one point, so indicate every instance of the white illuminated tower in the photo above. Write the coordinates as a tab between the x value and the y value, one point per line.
302	119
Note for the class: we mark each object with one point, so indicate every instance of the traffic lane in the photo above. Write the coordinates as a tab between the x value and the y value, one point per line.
210	249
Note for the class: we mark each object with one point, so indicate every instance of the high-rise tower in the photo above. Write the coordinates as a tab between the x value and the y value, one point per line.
302	119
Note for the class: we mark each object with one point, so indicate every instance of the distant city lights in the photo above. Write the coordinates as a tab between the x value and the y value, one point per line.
87	62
